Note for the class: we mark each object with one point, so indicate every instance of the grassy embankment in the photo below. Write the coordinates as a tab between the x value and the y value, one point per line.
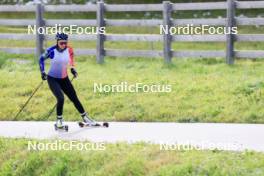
122	159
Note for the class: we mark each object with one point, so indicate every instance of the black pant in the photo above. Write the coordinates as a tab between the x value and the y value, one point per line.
60	85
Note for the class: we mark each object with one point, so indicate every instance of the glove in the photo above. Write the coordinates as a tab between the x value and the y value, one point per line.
74	72
43	76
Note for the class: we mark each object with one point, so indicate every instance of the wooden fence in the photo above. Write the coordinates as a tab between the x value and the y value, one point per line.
166	7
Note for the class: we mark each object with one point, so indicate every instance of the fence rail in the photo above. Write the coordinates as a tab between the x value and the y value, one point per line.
135	7
166	8
134	22
143	37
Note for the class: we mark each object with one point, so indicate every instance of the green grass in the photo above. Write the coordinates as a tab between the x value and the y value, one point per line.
123	159
203	90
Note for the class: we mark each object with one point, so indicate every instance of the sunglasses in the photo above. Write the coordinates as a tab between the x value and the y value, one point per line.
62	43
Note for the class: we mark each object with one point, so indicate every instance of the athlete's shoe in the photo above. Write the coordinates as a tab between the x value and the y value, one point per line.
88	121
59	122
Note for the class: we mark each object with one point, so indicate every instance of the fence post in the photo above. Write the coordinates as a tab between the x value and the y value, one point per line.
167	9
230	38
100	37
39	23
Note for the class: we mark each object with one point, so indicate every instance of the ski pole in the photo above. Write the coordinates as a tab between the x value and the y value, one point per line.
25	104
52	110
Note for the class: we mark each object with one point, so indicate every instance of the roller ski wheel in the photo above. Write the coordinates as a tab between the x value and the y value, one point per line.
65	128
106	124
81	124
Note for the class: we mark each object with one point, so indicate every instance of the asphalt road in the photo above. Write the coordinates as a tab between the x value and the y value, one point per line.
235	137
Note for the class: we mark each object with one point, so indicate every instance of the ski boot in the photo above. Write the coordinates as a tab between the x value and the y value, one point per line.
59	125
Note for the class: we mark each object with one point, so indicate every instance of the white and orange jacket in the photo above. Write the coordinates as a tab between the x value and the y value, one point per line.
59	61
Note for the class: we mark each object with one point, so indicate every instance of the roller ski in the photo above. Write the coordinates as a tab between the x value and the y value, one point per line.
59	125
83	124
88	122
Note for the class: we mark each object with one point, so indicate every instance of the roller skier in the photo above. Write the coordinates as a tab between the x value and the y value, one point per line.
61	57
